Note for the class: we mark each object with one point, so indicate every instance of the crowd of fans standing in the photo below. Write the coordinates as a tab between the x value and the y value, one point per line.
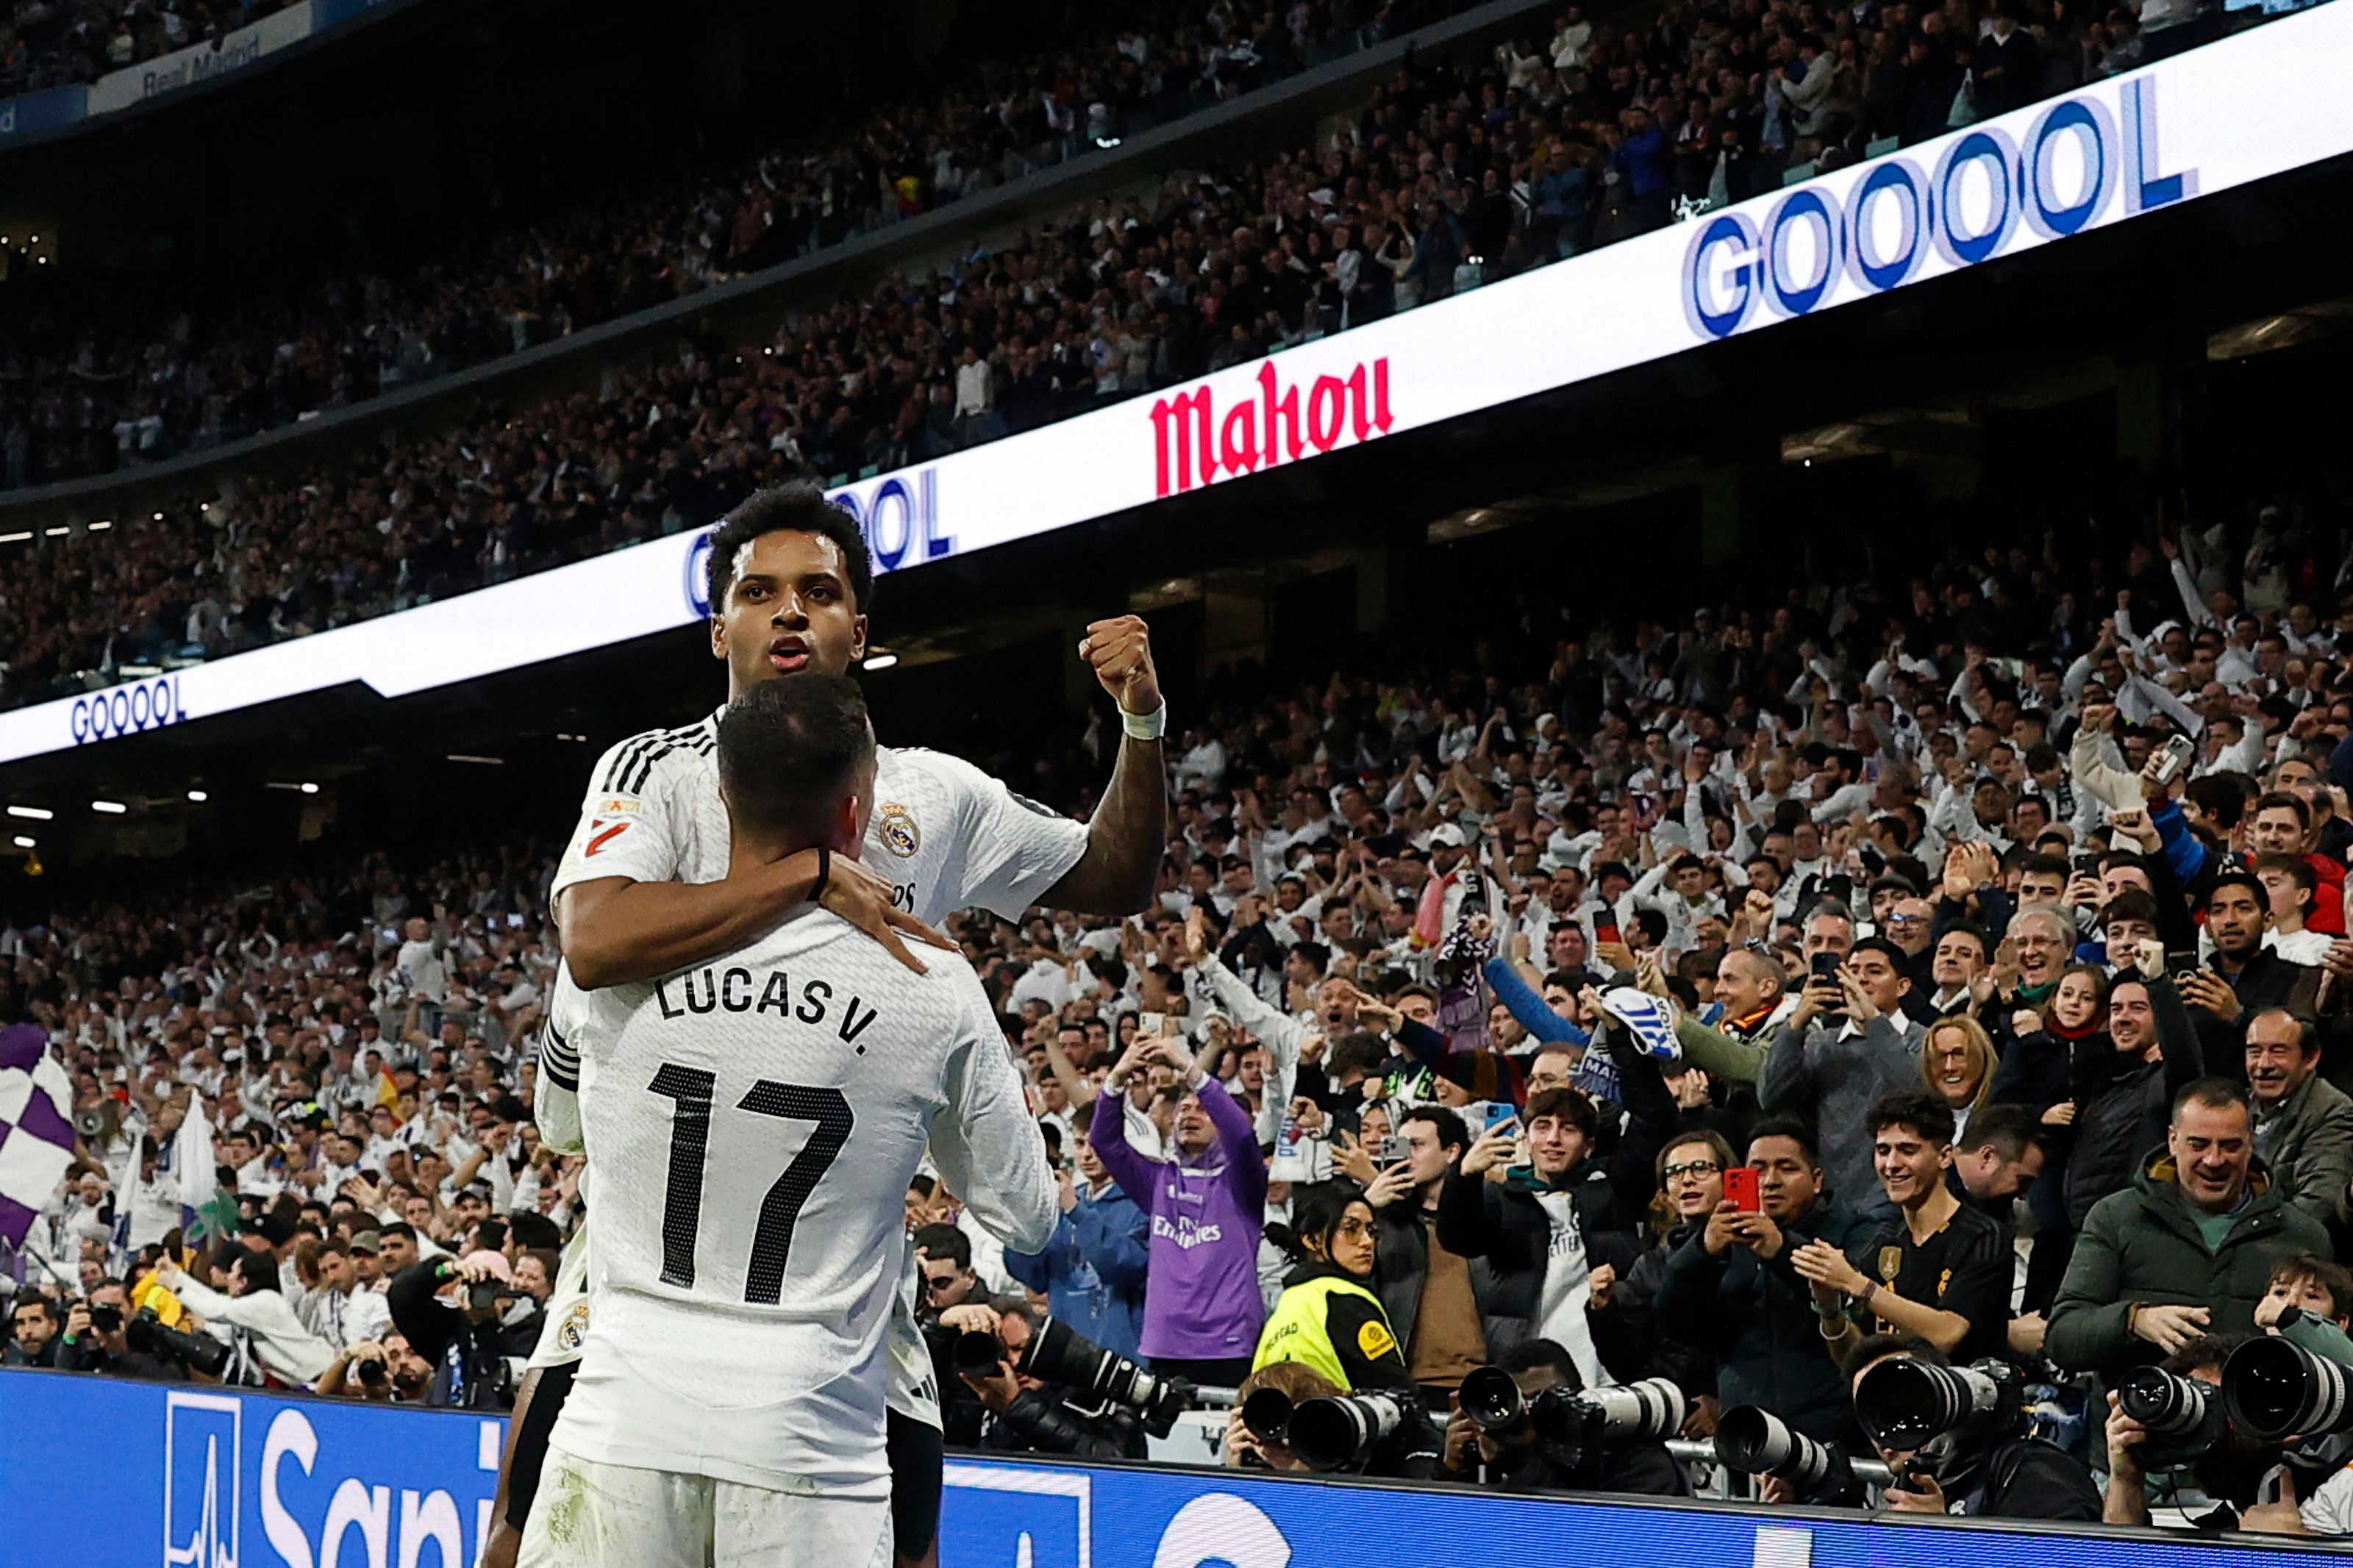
1996	917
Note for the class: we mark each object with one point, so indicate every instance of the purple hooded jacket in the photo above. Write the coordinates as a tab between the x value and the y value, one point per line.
1200	1299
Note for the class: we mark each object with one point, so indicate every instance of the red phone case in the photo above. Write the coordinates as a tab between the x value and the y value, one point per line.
1740	1187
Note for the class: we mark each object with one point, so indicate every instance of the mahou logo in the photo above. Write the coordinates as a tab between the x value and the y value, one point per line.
1198	442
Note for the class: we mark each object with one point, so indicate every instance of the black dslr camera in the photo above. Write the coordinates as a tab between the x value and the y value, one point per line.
148	1334
1060	1355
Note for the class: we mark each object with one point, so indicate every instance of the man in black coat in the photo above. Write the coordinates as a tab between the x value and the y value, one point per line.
1731	1290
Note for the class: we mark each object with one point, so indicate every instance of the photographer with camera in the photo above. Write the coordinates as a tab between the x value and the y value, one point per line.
382	1371
1528	1424
97	1339
1955	1437
2252	1435
995	1353
1329	1319
2170	1442
448	1309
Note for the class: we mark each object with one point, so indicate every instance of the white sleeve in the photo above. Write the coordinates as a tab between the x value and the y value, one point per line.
625	827
2329	1511
556	1103
985	1146
1280	1033
1016	847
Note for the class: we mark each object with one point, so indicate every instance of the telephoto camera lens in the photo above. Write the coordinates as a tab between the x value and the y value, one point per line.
147	1333
1338	1430
2184	1416
1756	1442
976	1353
2162	1402
1267	1414
1491	1396
1059	1353
370	1370
1909	1404
2274	1389
1650	1411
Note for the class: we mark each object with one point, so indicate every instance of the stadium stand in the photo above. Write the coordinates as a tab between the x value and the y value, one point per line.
46	43
1949	782
180	380
1851	1018
1454	174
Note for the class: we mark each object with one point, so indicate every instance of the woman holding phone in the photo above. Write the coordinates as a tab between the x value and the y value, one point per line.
1692	1170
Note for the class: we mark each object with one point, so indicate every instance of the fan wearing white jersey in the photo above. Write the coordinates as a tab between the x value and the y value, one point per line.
646	885
755	1119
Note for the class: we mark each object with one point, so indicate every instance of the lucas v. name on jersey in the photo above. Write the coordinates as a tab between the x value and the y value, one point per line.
738	990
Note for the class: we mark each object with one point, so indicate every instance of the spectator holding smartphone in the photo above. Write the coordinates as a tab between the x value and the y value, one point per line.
1938	1270
1558	1231
1438	1309
1847	1044
1202	1311
1691	1183
1733	1291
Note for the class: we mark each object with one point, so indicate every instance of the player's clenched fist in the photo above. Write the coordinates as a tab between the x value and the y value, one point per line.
1120	649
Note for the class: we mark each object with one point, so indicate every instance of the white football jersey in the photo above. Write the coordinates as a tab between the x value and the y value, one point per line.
949	836
754	1123
945	835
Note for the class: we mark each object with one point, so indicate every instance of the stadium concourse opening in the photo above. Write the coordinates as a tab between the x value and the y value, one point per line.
1739	956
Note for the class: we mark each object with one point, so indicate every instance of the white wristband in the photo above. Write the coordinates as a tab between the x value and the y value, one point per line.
1145	726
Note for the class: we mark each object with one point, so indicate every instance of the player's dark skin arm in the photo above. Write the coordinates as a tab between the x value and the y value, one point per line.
615	931
1130	828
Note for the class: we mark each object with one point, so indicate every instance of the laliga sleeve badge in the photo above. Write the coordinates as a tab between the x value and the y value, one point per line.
896	827
1375	1340
574	1331
601	833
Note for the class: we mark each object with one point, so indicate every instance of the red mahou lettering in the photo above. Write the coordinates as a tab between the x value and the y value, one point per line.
1195	441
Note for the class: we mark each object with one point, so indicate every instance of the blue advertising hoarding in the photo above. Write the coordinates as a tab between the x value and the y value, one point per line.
102	1474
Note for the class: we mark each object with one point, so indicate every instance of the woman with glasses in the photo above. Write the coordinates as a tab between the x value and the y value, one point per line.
1691	1183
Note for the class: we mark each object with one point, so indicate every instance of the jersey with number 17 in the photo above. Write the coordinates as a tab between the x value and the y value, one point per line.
755	1121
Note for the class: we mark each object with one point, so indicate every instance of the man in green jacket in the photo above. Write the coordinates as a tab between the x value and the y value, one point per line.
2187	1250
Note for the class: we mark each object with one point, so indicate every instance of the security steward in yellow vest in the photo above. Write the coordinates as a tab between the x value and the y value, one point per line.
1328	1318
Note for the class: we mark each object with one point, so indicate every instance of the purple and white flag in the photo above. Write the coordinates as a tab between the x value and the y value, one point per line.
36	1134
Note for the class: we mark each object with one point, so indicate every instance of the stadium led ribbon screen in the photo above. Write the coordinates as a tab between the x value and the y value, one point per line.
213	1476
2252	106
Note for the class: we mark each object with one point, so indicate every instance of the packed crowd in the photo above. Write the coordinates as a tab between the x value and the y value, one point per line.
1454	174
89	396
1716	1013
58	43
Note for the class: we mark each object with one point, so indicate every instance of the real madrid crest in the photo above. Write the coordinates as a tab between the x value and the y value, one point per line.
898	831
574	1330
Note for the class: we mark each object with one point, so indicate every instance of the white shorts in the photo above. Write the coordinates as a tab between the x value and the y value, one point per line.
589	1515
